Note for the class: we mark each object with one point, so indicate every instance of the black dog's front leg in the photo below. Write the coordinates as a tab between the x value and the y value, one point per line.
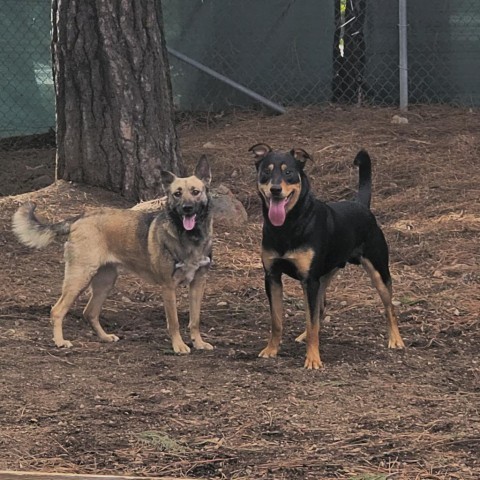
313	304
274	289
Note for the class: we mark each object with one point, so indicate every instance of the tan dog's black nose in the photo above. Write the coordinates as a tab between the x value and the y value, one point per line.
187	208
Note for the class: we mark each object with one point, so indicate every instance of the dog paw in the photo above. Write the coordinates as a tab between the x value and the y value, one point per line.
313	363
63	344
201	345
301	338
110	338
396	343
181	348
268	352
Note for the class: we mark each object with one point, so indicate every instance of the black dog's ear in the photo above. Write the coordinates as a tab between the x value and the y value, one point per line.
300	155
167	179
202	170
260	150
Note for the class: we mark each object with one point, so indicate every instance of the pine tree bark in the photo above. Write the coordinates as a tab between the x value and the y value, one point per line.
114	107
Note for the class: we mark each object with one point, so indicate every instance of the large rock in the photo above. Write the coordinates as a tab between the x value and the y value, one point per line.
227	209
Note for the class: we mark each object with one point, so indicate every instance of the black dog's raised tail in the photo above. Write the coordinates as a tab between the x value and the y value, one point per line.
364	164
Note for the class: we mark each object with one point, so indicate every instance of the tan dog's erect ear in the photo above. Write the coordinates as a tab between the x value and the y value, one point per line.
260	150
300	155
167	179
202	170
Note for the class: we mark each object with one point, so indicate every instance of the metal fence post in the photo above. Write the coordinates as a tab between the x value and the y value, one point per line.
403	55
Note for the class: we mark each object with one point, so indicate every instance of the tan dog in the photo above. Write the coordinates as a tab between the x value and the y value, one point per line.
168	248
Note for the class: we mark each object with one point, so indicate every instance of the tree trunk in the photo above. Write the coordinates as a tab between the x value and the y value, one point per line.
115	118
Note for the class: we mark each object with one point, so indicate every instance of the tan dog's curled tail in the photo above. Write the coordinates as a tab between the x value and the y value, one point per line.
32	232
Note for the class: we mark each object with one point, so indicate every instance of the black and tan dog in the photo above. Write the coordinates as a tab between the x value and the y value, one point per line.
310	241
167	248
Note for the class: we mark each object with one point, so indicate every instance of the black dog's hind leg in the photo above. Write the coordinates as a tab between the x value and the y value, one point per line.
375	262
325	281
274	289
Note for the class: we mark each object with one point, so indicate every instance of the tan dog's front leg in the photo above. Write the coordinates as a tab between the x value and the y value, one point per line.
196	291
274	289
170	302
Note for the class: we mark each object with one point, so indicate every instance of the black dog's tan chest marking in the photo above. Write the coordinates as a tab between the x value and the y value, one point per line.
300	259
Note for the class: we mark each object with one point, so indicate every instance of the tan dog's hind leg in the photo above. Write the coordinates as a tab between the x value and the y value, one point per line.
101	285
196	291
75	282
170	303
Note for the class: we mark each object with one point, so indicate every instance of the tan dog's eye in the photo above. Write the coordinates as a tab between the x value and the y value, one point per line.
177	194
195	192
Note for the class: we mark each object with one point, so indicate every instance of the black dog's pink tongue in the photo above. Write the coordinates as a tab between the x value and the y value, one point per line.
189	222
277	213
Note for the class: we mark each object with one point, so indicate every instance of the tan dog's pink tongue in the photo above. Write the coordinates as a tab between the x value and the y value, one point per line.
189	222
276	212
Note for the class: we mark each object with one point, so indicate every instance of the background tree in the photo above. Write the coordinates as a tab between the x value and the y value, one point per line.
115	118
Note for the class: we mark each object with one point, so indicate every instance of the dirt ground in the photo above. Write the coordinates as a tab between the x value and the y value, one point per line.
371	414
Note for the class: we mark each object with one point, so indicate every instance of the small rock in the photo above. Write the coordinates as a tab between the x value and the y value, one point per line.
399	120
209	145
222	304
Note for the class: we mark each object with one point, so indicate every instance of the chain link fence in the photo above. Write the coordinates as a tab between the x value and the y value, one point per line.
292	52
27	100
309	52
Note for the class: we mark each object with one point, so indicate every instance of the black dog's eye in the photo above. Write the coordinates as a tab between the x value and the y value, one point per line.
267	170
288	172
177	194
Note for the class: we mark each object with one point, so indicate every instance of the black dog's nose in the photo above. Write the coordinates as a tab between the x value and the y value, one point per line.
187	208
276	189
